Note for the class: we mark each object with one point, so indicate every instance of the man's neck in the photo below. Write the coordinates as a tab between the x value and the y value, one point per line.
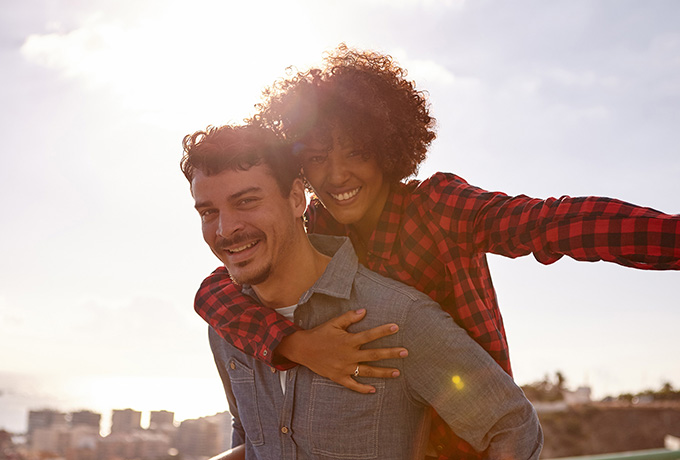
290	280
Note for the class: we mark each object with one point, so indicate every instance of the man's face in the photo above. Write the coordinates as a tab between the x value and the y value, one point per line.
248	224
351	186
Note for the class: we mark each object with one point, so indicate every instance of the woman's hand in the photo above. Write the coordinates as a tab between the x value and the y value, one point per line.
332	352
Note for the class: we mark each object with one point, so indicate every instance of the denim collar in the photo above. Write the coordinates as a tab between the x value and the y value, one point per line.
337	279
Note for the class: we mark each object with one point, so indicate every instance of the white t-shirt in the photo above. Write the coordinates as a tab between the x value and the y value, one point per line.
286	312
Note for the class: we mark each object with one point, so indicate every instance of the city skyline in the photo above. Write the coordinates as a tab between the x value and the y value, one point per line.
101	251
76	436
145	420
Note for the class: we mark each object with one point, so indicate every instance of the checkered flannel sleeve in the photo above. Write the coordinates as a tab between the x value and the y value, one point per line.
585	228
236	317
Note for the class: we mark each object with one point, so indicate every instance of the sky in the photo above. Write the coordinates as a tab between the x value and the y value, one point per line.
100	247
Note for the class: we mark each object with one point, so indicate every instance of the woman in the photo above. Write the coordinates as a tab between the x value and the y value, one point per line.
360	129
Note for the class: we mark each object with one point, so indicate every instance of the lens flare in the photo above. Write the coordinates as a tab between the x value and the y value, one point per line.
457	382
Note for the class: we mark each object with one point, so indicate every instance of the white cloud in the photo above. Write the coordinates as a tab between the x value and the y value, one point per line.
169	65
84	52
431	72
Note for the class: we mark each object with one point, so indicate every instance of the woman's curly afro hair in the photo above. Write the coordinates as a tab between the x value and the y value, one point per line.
366	96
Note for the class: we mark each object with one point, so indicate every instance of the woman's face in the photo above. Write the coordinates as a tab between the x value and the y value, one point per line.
349	184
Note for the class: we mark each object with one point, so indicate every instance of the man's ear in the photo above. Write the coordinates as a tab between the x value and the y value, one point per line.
298	199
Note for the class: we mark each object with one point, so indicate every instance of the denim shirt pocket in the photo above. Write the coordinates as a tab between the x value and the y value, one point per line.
345	424
243	386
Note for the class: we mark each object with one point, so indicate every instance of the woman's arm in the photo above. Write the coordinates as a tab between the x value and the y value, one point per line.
585	228
329	350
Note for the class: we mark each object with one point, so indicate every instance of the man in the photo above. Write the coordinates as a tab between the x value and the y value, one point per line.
251	204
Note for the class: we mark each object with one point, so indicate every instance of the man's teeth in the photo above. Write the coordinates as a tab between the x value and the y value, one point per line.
346	195
242	248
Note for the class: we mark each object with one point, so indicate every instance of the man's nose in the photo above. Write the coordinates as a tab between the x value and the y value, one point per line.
228	224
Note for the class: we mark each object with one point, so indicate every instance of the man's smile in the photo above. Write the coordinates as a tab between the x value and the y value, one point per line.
241	248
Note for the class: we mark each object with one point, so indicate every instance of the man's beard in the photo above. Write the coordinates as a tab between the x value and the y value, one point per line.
254	279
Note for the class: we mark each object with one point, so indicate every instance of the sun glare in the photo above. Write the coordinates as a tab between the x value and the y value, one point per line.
207	60
186	397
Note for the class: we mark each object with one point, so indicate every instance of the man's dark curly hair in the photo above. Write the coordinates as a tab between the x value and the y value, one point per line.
366	96
228	147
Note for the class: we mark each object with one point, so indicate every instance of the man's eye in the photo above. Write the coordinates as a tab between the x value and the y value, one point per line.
207	214
246	201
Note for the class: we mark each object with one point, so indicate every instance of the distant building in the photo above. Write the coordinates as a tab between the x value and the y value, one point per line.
74	443
139	444
54	439
86	418
580	396
124	421
43	428
204	437
44	419
161	420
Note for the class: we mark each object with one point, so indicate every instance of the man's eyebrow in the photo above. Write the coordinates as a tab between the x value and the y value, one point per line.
203	204
245	191
232	197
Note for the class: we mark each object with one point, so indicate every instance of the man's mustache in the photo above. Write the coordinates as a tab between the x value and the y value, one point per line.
239	239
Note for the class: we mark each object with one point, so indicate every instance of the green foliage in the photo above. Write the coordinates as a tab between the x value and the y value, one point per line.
665	393
547	390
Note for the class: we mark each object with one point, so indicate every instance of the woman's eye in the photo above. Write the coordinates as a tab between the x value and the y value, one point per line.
316	159
356	154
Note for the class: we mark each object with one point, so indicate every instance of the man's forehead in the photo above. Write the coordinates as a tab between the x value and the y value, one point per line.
232	180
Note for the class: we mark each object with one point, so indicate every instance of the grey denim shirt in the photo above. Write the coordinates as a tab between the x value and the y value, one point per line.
317	418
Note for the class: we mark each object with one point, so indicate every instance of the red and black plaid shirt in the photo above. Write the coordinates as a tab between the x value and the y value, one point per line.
433	235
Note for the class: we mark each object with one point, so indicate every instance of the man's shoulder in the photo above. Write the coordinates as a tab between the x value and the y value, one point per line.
387	300
374	286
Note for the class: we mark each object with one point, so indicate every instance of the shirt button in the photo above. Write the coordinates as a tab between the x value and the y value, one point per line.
284	430
232	365
264	352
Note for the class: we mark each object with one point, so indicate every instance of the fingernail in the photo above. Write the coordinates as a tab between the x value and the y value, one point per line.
394	328
360	311
395	374
372	390
403	353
